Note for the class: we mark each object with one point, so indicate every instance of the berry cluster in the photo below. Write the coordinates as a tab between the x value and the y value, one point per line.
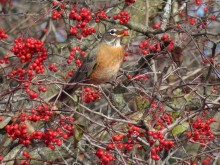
32	51
146	47
122	16
125	143
118	143
20	72
89	95
29	50
5	60
84	31
78	62
57	12
2	34
208	61
201	131
82	16
160	117
27	157
104	156
49	137
143	46
52	67
192	21
25	162
158	144
87	31
40	112
207	161
100	14
73	51
171	46
32	94
203	24
16	131
25	49
133	131
52	138
42	89
58	4
142	77
66	124
76	51
152	47
162	121
128	2
165	37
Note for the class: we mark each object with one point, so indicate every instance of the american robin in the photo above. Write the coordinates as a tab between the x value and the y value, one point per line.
101	64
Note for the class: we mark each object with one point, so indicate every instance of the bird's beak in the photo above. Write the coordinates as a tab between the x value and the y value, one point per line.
122	33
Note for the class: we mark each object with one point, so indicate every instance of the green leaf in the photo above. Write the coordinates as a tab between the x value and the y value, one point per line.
75	98
175	102
141	103
176	114
172	161
177	92
78	133
188	97
180	128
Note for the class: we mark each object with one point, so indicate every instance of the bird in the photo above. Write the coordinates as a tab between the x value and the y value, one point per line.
101	64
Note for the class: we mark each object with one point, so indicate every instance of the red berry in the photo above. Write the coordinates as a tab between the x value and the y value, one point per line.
126	33
156	26
213	17
144	52
205	9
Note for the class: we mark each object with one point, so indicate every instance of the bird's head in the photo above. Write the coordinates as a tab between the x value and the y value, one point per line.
113	35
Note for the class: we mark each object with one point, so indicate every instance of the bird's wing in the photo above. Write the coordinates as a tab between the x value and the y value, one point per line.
89	63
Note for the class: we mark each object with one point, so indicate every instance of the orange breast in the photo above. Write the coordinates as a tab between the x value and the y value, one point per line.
109	60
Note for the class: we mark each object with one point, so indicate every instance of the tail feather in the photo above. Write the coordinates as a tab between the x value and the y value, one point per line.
63	95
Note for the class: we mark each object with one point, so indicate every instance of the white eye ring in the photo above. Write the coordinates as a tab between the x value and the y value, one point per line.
112	31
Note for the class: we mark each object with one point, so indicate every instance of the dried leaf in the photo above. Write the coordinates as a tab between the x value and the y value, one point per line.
5	122
177	55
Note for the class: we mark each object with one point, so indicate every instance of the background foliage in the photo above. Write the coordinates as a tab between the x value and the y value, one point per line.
161	109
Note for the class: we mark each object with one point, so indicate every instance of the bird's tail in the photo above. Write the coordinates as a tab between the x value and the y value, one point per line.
64	94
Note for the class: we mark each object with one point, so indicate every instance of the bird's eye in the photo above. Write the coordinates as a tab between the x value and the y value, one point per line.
112	31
